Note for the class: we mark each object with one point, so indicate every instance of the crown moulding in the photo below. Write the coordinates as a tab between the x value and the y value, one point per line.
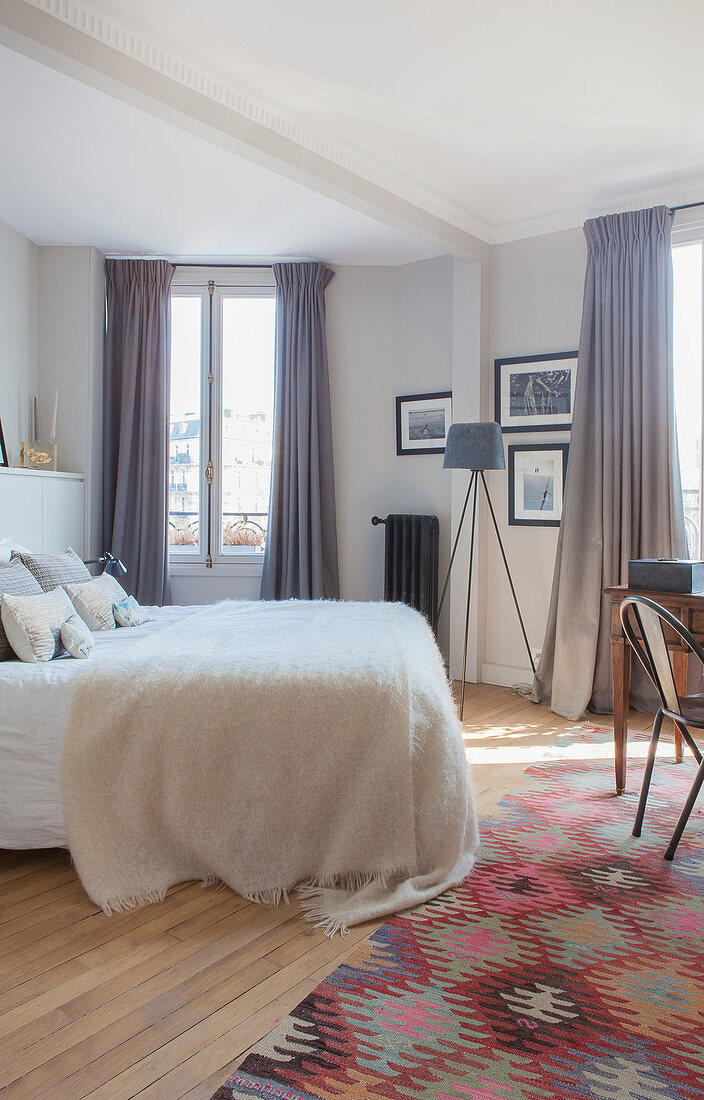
88	18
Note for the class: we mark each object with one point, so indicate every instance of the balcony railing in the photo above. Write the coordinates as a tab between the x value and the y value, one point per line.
692	521
239	529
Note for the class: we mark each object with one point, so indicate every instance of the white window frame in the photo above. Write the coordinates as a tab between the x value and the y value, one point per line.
226	282
182	555
690	230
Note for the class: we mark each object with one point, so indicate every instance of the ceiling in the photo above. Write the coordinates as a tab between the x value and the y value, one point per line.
79	167
503	117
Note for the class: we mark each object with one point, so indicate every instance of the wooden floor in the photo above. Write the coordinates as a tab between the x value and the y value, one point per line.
165	1001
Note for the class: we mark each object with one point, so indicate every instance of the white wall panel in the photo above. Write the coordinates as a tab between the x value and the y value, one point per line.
21	509
63	515
45	512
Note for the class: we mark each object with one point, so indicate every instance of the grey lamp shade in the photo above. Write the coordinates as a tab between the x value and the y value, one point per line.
477	446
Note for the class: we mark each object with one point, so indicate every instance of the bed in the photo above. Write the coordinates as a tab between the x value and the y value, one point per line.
35	701
271	746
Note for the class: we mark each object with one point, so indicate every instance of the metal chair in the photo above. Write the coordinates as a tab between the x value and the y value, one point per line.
644	624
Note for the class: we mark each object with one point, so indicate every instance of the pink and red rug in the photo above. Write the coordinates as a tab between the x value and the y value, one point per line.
570	964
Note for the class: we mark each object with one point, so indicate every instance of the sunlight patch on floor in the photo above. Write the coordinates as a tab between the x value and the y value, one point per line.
562	749
501	732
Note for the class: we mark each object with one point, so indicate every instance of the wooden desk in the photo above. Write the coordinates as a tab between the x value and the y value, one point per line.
690	611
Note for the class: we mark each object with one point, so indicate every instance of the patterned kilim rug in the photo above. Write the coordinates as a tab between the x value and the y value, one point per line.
569	964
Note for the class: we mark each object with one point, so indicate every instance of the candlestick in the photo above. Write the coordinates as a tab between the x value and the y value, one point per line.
52	431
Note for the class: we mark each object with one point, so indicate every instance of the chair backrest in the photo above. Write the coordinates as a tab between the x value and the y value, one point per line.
644	624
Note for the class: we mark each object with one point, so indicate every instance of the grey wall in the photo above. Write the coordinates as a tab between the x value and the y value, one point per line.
71	325
360	306
535	305
391	331
417	328
18	336
424	363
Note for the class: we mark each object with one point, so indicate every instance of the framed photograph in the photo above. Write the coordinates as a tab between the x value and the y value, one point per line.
3	448
536	484
422	420
535	392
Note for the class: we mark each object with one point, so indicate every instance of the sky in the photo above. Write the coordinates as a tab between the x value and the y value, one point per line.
248	355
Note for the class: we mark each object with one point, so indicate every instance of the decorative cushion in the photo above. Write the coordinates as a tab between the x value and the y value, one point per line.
33	624
7	546
94	599
129	613
51	570
76	637
16	580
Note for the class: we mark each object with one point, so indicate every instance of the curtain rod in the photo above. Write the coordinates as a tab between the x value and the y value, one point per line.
208	265
685	206
204	263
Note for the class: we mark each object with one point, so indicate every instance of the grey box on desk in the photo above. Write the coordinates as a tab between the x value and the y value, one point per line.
666	575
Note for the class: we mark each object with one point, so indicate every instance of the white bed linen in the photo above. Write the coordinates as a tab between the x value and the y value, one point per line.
34	707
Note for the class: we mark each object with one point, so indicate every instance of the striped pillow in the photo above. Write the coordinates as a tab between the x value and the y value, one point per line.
33	624
16	580
51	570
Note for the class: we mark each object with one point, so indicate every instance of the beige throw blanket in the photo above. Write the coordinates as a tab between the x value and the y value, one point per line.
272	746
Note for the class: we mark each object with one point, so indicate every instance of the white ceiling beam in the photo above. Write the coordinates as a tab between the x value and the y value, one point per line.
26	28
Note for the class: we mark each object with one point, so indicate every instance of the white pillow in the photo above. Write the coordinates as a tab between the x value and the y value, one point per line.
33	624
77	638
94	599
129	613
7	547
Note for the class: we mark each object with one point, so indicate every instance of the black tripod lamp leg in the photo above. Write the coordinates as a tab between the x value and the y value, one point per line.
469	598
457	539
508	571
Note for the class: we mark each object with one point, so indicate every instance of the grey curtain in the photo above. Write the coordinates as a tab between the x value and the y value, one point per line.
136	423
623	496
300	559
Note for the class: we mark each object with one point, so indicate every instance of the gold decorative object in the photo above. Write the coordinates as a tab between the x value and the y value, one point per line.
38	455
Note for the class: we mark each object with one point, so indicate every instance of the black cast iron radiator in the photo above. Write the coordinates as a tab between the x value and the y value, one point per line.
411	562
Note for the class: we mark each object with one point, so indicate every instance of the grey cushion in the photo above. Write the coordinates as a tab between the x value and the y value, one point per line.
16	580
51	570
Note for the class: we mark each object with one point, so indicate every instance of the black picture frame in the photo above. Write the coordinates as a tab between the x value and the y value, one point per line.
540	421
3	449
515	449
404	444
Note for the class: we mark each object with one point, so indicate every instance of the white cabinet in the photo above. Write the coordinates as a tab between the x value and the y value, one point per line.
43	511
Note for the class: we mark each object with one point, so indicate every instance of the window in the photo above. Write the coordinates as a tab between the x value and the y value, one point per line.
222	406
247	419
688	287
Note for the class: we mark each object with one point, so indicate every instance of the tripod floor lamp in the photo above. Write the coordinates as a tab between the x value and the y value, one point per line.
477	447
